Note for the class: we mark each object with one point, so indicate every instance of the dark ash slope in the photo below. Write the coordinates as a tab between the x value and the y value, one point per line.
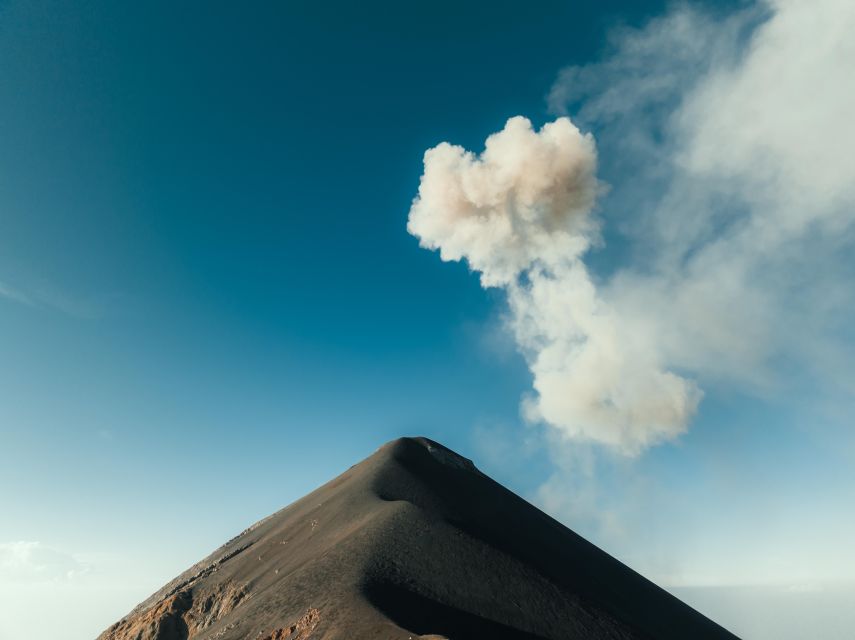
412	542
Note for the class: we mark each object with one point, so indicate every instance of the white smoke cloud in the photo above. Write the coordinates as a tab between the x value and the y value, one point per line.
596	375
526	199
520	213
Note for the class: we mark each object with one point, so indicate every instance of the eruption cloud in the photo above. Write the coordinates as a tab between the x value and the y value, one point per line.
521	214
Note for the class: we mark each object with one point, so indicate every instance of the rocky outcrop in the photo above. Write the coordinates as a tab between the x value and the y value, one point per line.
300	630
179	616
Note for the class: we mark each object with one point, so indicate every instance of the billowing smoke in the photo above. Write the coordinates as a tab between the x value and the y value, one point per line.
521	214
526	199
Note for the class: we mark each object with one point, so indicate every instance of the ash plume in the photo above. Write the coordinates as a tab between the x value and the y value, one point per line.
521	214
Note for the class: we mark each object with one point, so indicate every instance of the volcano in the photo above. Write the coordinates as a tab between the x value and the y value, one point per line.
413	542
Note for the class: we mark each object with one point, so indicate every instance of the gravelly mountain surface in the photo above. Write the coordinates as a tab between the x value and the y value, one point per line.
413	542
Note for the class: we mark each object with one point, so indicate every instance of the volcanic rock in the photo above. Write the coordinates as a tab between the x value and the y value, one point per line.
413	542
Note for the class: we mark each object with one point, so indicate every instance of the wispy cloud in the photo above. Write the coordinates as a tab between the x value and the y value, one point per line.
13	294
46	296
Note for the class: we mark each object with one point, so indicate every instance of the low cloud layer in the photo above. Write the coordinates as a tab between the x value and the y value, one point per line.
29	561
725	141
521	214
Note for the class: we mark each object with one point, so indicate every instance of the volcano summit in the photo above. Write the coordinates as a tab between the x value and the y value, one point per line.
413	542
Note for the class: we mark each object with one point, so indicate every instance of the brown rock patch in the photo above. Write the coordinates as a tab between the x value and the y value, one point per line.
181	616
300	630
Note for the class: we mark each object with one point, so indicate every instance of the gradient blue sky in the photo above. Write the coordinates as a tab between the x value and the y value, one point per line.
209	303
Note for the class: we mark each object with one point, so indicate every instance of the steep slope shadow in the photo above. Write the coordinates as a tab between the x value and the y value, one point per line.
424	616
486	511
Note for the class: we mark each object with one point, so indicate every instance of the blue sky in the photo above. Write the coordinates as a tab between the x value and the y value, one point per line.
210	303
